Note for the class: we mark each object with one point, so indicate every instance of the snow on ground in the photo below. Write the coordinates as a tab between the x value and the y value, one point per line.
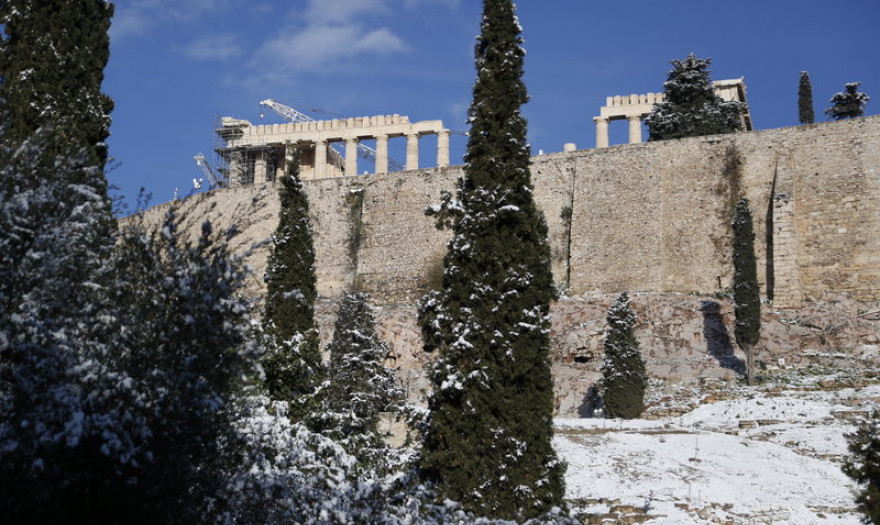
781	467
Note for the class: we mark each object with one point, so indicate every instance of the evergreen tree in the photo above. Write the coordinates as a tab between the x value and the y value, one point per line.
863	466
691	108
488	440
360	387
746	292
805	100
848	104
186	343
52	61
61	442
67	436
292	361
623	372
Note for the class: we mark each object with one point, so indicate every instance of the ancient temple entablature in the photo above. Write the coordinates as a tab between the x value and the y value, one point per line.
256	153
634	109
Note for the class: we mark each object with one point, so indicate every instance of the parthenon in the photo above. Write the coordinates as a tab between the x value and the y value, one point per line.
634	108
252	154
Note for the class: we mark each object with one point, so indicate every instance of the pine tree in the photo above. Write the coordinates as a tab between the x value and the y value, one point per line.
623	372
359	386
746	292
863	465
292	362
691	108
488	440
848	104
805	100
52	63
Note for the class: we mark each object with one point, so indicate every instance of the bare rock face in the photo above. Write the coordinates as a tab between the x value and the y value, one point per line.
685	340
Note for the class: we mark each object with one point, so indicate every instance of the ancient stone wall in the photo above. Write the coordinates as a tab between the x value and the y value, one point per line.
651	217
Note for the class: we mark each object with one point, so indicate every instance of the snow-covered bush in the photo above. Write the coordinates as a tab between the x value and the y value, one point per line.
848	103
65	429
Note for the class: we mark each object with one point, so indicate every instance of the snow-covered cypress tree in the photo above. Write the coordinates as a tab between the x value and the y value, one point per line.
863	465
52	60
623	372
292	362
488	441
849	103
359	385
691	108
746	292
66	441
805	99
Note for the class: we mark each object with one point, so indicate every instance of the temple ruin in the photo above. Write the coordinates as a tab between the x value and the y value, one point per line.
253	154
634	109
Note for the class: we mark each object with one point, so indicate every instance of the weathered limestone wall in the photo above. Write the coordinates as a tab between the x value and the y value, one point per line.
649	217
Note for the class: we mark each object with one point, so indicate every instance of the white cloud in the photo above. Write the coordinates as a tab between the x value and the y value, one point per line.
213	47
321	46
342	11
136	17
415	4
328	33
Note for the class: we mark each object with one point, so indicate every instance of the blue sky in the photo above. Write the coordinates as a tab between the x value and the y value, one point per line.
177	64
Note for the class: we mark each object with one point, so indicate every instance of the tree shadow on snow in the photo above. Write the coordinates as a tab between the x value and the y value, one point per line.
718	339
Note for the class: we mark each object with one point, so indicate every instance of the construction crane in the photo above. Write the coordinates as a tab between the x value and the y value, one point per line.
295	116
217	181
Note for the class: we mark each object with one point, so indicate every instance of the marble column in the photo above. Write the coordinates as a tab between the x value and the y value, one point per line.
260	167
351	156
382	154
635	129
412	151
234	173
320	159
443	148
601	131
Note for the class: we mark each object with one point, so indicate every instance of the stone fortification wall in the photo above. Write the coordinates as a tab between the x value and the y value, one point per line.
651	217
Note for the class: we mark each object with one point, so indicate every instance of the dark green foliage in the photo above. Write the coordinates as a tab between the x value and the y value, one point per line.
746	292
863	466
52	64
691	108
293	360
53	311
849	103
805	100
359	386
187	347
623	372
488	440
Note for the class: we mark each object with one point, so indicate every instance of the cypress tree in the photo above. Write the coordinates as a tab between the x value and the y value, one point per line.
487	444
746	293
691	108
623	372
805	100
849	103
863	466
359	386
52	61
293	359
